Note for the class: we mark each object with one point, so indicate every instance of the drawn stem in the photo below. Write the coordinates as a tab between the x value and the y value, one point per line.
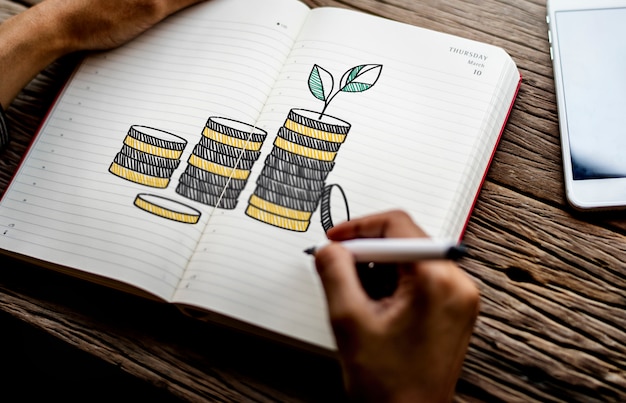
322	112
327	103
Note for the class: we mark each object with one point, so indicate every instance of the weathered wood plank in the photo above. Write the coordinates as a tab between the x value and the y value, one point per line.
552	325
553	303
189	359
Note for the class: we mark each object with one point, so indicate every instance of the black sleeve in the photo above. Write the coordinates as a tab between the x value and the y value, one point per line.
4	132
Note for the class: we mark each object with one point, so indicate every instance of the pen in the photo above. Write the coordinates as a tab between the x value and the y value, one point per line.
396	250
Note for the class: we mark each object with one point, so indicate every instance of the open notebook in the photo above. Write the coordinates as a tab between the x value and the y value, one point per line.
197	162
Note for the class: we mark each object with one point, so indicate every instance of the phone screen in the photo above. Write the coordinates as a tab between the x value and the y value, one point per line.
592	52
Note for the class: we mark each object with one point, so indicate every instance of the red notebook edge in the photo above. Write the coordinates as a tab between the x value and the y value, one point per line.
493	153
37	132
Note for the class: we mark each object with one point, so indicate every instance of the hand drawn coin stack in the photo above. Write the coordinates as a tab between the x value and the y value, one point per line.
292	181
149	157
220	163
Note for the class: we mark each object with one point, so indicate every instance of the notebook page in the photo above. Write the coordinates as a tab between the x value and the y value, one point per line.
414	140
254	272
422	135
97	191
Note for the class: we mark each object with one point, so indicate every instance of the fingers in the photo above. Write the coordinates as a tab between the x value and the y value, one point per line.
447	284
96	24
410	343
389	224
342	286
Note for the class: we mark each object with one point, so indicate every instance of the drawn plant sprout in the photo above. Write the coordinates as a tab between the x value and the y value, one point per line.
357	79
293	179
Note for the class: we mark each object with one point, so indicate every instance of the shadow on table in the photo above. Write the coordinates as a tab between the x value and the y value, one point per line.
42	365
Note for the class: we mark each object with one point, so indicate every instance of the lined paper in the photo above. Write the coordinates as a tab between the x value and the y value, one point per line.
64	206
420	140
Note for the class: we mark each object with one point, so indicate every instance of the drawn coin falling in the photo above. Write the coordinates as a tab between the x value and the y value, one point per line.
167	208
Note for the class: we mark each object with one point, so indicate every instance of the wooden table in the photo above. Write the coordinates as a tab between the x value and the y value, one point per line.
553	319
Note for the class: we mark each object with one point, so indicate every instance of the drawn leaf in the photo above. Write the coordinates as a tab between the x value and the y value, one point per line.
320	83
360	78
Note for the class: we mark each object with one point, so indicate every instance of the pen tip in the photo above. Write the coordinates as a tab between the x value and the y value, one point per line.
309	251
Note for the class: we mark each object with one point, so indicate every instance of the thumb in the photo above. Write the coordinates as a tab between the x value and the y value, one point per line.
337	271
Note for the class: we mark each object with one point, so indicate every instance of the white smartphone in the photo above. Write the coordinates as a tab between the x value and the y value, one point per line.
588	50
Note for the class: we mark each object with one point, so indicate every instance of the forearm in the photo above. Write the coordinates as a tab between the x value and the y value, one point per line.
35	38
30	42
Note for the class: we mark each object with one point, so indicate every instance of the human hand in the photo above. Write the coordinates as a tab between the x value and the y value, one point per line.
408	346
104	24
38	36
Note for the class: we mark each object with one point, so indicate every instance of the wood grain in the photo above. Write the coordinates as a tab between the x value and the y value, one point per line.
552	325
